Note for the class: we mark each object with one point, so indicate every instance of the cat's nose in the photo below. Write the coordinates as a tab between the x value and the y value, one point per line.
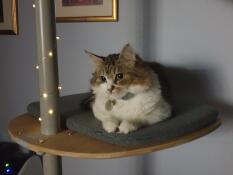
110	89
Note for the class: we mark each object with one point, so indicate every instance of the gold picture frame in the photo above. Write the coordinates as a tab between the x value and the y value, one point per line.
106	12
9	17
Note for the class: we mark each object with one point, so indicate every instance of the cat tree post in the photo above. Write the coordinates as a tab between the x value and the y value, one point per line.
48	78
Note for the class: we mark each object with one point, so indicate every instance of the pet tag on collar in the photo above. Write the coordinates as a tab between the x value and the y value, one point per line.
109	104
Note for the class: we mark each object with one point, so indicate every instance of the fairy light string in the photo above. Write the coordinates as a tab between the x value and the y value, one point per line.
45	95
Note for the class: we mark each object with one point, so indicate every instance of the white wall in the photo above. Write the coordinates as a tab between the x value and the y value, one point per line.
192	34
196	34
18	78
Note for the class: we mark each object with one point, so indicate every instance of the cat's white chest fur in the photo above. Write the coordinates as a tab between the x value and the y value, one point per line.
135	108
147	107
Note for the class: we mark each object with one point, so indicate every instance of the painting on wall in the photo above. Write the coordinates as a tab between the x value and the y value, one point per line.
8	17
86	10
81	2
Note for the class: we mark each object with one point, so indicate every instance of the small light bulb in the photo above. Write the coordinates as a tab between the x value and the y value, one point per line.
45	95
33	5
58	37
50	54
50	111
37	67
40	119
60	88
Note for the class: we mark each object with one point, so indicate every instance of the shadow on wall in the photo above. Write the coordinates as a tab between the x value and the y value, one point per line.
185	84
189	84
195	85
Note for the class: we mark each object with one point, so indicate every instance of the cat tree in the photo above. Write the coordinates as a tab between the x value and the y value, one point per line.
45	136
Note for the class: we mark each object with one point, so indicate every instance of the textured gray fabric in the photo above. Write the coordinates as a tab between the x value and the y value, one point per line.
186	118
188	121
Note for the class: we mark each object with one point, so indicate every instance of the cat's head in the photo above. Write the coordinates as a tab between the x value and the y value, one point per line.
118	74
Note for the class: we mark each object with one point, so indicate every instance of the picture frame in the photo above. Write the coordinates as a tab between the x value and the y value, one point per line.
9	17
87	10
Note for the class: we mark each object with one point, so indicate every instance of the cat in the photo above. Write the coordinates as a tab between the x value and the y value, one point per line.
127	92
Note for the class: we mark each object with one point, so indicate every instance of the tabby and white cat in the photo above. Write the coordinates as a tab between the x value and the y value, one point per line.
127	92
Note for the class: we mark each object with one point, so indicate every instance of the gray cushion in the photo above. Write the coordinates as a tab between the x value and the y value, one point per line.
187	117
69	105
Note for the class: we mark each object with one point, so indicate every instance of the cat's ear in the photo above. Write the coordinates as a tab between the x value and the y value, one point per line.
98	60
128	53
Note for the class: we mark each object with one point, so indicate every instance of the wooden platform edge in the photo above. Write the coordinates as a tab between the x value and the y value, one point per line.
118	151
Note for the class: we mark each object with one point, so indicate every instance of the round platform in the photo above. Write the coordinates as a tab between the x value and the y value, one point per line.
25	130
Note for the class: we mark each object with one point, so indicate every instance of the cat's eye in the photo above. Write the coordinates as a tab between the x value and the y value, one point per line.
119	76
103	78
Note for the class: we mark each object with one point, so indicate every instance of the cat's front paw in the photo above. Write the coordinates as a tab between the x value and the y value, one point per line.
110	126
126	127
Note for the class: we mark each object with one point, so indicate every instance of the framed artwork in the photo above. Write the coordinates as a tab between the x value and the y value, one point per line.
8	17
86	10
